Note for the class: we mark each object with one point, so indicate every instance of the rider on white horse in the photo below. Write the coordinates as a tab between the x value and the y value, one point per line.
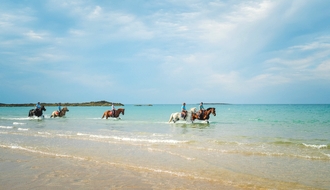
178	115
183	110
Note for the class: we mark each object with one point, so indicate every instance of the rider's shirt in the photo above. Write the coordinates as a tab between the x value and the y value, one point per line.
183	108
59	108
201	107
38	106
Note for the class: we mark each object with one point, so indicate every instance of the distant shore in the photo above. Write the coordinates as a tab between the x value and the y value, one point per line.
97	103
205	103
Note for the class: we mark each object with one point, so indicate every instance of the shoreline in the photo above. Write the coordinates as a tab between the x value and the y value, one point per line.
97	103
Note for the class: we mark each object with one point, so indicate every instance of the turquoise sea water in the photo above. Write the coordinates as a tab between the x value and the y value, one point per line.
243	146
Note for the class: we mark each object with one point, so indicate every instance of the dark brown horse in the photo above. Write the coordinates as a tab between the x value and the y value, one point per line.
37	112
204	116
108	113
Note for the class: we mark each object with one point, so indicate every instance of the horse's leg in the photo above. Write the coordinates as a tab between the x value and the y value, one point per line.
171	118
174	119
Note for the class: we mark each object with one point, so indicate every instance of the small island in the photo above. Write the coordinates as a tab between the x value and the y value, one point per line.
97	103
143	105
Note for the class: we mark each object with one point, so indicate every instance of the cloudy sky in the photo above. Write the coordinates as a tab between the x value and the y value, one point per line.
165	51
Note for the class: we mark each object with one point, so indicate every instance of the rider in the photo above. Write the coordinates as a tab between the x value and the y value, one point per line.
113	110
183	110
38	107
201	109
59	108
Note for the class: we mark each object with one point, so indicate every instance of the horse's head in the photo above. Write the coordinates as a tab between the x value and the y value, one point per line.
123	111
65	109
43	108
212	110
193	110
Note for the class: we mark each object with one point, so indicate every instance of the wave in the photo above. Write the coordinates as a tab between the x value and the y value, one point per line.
23	129
166	141
171	153
18	118
322	146
17	123
41	152
6	127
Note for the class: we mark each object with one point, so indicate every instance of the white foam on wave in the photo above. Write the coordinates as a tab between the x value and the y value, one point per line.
315	146
171	153
82	134
328	155
19	118
6	127
41	152
43	133
23	129
169	141
17	123
176	173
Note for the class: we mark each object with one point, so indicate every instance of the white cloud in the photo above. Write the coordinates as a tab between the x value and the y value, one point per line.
34	36
250	11
323	70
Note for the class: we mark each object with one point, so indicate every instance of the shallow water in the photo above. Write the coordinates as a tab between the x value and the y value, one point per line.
243	146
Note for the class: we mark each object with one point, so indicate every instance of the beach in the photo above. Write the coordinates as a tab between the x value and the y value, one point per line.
242	147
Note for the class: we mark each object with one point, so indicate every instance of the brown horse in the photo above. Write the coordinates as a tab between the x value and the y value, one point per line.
108	113
205	115
59	114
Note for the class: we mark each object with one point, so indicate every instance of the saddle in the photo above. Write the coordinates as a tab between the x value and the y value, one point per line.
201	115
112	113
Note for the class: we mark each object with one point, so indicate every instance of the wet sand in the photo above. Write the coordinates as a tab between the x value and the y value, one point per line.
27	171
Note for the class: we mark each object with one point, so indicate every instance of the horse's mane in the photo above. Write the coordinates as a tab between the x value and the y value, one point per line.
209	109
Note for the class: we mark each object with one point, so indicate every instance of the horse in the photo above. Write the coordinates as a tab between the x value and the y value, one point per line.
204	116
177	116
59	114
37	112
108	113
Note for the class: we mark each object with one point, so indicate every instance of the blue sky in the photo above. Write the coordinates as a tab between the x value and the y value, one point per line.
240	52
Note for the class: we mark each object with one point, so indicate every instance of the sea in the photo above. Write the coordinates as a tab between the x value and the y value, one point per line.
242	147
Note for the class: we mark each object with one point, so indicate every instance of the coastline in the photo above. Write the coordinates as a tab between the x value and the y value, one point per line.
97	103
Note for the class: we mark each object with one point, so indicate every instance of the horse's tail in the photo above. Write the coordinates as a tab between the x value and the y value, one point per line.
103	115
171	118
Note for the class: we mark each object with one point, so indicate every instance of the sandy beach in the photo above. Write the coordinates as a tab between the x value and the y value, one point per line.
27	171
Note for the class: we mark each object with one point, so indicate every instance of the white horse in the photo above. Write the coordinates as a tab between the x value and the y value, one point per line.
177	116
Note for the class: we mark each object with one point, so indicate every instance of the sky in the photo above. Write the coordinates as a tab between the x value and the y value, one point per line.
165	51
